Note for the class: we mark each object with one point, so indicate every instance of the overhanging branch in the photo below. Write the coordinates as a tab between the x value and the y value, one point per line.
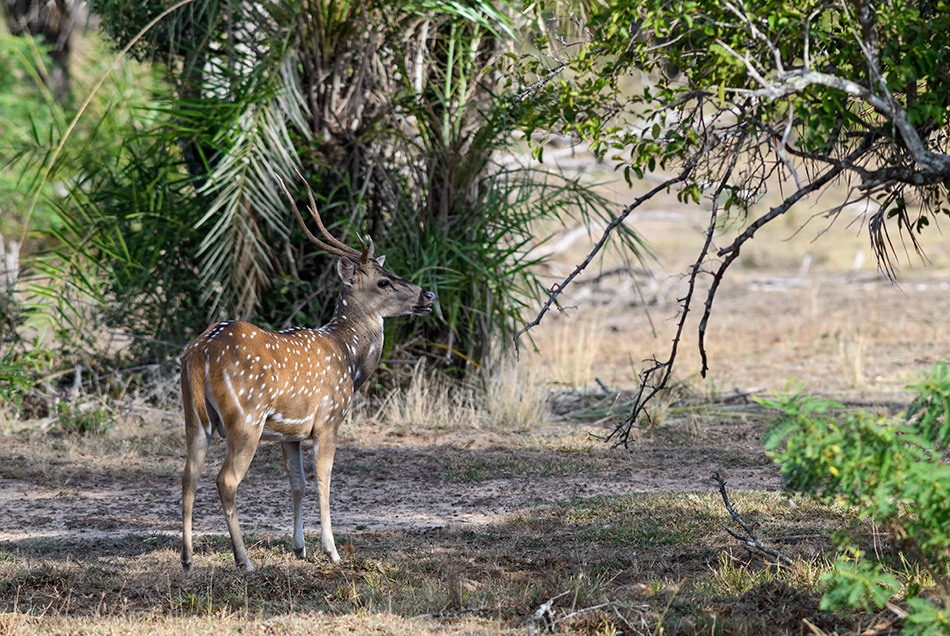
559	287
731	252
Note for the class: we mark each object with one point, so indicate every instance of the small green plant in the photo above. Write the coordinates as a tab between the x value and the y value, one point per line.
84	418
18	371
892	470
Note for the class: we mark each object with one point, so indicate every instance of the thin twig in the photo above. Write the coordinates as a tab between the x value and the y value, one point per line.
581	611
750	541
551	74
648	389
790	538
452	614
731	252
149	339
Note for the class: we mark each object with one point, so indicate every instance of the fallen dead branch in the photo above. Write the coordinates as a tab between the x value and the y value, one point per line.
543	619
750	542
581	611
473	610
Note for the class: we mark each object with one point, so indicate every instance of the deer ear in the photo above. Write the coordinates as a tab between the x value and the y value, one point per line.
380	260
347	270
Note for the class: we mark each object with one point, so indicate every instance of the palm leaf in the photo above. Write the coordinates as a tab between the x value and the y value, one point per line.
247	210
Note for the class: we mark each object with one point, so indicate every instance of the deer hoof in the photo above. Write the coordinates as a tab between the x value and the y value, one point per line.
301	552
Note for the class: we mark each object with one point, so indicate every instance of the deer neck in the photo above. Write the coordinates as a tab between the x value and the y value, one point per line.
359	336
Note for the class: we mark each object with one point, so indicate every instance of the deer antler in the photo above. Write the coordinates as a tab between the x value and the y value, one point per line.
368	249
337	247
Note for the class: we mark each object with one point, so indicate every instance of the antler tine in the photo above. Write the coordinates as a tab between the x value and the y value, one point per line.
368	248
313	239
316	217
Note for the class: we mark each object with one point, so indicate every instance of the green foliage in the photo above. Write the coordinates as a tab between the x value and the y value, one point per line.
172	215
18	374
753	91
122	256
97	238
893	471
474	227
857	583
29	112
84	418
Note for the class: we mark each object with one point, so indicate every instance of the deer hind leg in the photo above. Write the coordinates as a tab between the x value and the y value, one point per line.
293	461
326	447
197	446
242	444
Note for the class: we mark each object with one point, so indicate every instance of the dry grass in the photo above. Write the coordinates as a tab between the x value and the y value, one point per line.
611	563
852	355
511	398
639	563
514	396
132	444
430	401
570	349
291	624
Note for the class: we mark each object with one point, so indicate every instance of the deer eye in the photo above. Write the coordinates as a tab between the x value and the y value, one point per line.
383	284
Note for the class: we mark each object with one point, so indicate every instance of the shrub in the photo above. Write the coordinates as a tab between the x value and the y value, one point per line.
84	418
891	469
18	373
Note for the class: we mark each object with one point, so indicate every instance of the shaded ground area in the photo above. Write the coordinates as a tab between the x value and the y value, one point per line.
628	557
404	487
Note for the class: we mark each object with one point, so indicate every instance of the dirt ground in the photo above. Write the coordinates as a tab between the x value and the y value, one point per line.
795	306
373	489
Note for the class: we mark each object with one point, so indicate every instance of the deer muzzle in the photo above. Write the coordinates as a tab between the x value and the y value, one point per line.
426	300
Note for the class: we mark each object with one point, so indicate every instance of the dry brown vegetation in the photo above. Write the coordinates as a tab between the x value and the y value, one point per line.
461	515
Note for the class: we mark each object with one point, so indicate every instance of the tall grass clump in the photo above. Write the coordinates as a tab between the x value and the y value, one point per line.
430	401
514	395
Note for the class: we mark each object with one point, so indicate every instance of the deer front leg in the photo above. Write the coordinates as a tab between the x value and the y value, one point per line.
242	444
326	447
197	447
293	461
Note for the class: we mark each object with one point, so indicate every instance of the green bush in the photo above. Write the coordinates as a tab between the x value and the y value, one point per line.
84	418
894	472
18	373
162	209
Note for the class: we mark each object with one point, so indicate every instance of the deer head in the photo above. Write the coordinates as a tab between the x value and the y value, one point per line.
368	287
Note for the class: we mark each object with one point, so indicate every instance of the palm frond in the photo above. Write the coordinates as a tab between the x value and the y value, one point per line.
248	210
483	13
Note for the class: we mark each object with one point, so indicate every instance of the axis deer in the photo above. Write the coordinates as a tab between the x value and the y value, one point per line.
249	384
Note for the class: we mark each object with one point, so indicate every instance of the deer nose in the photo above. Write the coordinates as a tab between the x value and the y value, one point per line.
429	296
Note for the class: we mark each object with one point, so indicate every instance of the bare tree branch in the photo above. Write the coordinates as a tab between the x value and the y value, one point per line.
648	389
731	252
886	150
